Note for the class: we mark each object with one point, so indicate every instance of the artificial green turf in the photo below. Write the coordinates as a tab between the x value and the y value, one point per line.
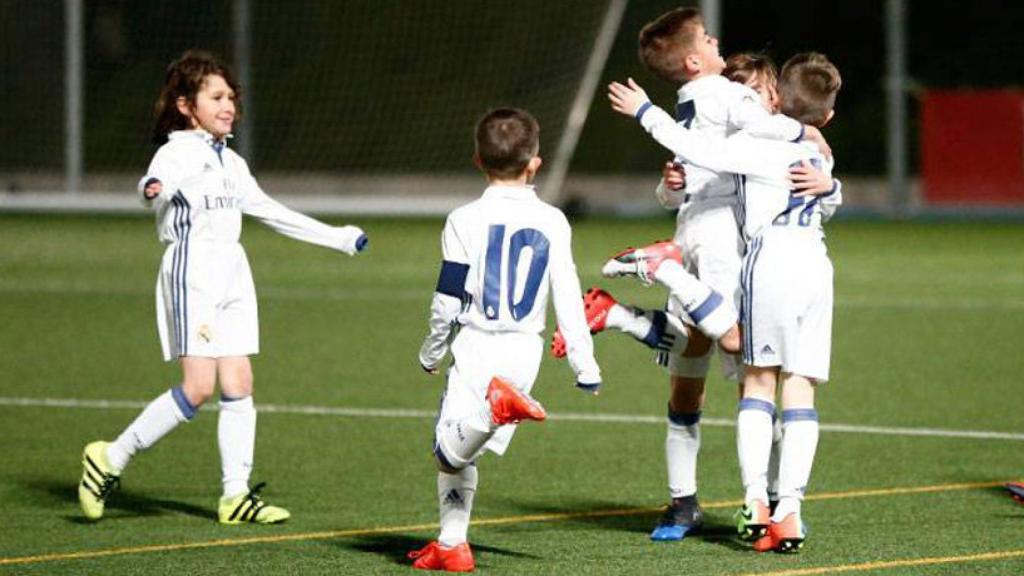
924	336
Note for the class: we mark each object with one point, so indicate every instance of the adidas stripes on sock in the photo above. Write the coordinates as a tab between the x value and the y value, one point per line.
455	494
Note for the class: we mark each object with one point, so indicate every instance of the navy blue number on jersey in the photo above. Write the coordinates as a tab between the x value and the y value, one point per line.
523	238
685	113
807	204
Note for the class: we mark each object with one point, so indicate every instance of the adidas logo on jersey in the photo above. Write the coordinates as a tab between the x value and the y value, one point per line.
767	350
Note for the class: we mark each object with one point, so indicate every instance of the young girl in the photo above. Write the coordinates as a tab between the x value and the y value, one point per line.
205	299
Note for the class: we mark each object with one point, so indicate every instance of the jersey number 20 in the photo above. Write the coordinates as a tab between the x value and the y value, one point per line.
522	238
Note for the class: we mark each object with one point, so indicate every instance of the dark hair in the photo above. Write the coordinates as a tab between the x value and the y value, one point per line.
745	66
184	79
506	140
807	88
667	41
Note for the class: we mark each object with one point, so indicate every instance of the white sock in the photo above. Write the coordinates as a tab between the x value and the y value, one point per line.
455	495
713	314
158	418
682	445
236	436
773	462
460	441
799	443
754	445
654	328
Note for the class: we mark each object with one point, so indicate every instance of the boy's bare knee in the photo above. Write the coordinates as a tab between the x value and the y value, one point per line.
698	345
730	342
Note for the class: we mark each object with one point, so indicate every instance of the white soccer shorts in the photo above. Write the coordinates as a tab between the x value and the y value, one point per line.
712	250
787	302
206	301
480	356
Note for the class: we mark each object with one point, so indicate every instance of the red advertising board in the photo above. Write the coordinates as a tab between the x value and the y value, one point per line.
972	147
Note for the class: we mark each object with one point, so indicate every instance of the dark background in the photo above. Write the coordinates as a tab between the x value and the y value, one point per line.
295	44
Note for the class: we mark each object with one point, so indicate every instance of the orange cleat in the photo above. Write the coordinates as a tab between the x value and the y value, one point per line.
642	263
1016	490
433	556
509	405
752	521
786	536
596	304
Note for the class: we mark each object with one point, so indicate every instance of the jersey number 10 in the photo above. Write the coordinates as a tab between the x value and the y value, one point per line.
525	237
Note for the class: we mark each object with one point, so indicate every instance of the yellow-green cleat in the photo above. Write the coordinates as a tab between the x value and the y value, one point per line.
250	508
99	479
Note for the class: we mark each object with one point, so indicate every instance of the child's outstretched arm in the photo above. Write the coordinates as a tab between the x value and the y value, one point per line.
714	153
448	301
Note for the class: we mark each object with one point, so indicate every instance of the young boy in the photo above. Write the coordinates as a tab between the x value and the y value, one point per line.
677	48
787	319
502	254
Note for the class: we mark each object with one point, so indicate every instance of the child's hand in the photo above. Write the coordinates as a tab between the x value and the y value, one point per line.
674	175
814	135
627	99
809	181
153	189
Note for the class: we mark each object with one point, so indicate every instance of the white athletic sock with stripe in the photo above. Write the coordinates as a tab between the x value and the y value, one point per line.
158	418
682	444
754	445
654	328
455	494
236	437
712	313
460	441
799	443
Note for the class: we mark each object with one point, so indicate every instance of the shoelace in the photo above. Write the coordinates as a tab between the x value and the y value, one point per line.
110	483
255	504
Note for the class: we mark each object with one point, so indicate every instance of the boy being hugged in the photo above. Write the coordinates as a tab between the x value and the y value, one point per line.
502	255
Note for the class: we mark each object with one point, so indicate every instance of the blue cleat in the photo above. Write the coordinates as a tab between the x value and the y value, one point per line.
681	517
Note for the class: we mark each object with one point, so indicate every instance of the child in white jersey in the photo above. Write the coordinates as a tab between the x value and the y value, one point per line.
502	256
787	286
205	298
677	48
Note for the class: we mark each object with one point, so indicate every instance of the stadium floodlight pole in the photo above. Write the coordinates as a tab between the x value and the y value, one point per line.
711	11
241	26
896	82
552	191
74	73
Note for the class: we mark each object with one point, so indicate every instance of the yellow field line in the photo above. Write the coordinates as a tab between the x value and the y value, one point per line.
884	565
330	534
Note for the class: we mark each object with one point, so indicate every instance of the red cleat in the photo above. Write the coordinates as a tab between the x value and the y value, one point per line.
510	406
785	536
642	263
1016	490
596	304
433	556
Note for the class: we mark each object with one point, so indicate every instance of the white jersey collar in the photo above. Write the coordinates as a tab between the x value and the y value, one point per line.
691	88
510	191
197	133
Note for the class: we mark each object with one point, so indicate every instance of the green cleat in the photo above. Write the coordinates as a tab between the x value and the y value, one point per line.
99	479
752	521
250	507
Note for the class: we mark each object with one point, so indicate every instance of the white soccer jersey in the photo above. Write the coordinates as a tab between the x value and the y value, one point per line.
505	251
716	106
205	193
205	299
761	167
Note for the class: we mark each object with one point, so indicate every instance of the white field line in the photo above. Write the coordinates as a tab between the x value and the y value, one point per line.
563	416
295	293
